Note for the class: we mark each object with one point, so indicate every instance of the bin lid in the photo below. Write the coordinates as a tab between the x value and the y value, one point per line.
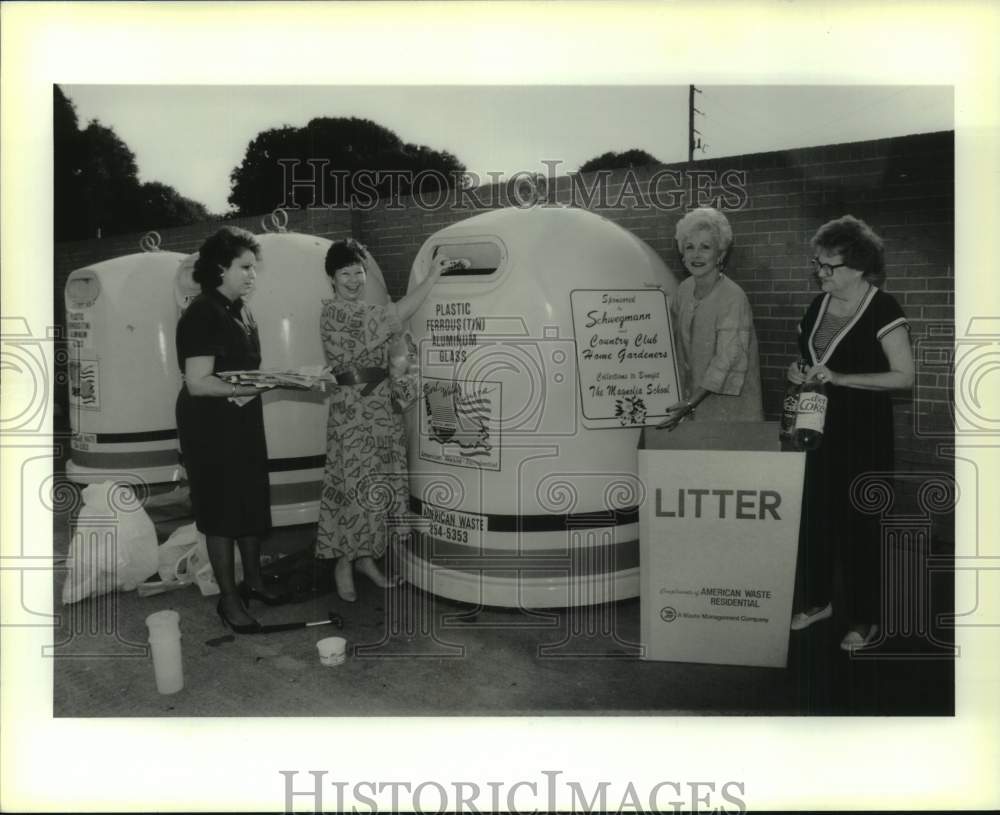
697	435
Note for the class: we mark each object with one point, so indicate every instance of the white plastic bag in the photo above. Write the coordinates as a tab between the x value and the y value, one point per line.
183	559
113	544
173	552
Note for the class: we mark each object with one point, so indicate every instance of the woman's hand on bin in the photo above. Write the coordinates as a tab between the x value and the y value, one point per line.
675	415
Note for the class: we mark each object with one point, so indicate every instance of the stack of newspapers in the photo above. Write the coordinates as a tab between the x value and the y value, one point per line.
310	377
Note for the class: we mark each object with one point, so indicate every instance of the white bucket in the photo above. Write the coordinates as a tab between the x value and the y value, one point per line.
332	651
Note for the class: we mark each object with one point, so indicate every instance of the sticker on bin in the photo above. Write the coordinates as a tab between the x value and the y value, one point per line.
79	324
461	423
82	441
453	526
84	390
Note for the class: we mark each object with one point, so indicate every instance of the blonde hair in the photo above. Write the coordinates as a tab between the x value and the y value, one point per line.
705	218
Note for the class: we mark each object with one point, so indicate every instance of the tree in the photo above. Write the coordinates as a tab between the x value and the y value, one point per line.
110	182
319	165
619	161
65	164
96	183
160	204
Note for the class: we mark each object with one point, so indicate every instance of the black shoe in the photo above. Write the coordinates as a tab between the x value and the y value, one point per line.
243	628
248	592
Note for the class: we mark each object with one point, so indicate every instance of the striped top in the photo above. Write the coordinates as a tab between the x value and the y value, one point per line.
827	329
877	310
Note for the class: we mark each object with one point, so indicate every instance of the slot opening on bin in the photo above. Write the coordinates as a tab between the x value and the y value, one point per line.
82	290
480	258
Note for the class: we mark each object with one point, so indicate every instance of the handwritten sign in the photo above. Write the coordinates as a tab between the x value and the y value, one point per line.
625	356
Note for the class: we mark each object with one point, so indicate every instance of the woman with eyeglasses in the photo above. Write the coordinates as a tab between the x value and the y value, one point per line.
855	339
716	342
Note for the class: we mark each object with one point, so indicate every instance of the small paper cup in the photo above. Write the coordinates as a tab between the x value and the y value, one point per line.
332	650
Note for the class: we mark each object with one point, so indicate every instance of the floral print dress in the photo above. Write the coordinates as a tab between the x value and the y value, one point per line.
364	483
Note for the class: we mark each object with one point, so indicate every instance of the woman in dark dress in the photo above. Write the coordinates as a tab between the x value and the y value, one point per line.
221	426
856	341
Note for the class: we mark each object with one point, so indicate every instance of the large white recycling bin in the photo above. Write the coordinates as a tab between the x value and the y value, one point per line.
286	304
122	366
526	501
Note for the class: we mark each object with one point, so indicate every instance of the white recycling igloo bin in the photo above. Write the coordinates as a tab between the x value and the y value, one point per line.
122	366
286	304
523	449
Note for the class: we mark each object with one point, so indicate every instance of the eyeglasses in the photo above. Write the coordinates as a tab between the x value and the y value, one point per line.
825	268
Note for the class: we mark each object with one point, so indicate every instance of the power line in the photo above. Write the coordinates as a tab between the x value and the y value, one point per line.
736	130
789	138
852	113
741	118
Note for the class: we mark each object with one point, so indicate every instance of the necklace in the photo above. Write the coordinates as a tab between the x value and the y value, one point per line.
699	297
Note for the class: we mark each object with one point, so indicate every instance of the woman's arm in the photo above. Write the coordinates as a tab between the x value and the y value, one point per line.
730	362
407	306
677	411
202	382
896	345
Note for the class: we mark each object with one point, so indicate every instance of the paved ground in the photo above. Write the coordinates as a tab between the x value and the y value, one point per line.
414	654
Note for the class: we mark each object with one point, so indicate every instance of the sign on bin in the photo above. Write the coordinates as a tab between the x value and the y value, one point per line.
625	356
718	543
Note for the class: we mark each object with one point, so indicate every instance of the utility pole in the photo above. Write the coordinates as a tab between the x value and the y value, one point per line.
692	110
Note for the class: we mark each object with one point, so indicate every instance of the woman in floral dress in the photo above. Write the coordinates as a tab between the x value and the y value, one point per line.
365	482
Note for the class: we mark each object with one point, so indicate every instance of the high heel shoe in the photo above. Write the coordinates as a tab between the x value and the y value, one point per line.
343	579
247	592
237	628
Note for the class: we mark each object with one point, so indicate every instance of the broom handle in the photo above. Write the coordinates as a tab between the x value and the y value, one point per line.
334	619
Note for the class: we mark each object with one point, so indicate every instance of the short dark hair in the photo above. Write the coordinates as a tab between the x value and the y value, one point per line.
856	243
221	249
343	253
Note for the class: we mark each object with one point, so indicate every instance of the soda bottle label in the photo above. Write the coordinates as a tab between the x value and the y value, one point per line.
791	404
788	412
812	412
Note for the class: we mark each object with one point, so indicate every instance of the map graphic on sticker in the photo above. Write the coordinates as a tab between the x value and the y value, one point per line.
462	417
83	391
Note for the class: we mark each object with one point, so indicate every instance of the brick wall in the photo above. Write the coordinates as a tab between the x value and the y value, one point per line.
903	187
73	255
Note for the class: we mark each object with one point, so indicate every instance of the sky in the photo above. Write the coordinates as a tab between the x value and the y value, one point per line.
191	137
